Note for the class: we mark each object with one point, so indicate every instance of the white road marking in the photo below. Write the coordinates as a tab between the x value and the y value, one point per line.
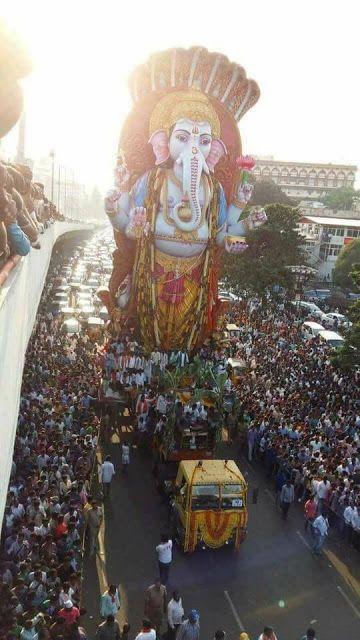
303	540
234	612
350	603
271	495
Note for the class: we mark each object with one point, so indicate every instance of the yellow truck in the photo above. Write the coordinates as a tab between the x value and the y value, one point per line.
209	508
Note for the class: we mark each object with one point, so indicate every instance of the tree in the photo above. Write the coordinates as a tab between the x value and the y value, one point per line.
348	356
267	192
272	248
348	256
343	199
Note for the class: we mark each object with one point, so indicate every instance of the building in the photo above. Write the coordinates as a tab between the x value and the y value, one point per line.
60	184
303	180
324	237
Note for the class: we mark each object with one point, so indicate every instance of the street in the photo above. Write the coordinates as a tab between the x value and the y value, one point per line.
274	579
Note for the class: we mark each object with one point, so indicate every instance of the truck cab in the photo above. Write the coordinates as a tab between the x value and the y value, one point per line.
210	504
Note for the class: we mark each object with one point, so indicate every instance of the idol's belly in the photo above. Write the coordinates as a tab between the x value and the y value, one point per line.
185	245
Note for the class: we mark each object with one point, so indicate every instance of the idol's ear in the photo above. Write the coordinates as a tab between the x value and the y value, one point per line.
217	150
160	144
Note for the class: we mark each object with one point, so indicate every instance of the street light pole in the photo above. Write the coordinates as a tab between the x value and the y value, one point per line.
65	185
59	183
52	156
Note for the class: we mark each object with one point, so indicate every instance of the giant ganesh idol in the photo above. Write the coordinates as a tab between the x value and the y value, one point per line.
180	191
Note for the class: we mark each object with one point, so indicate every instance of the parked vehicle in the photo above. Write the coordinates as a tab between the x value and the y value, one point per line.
311	329
337	320
309	308
317	294
332	338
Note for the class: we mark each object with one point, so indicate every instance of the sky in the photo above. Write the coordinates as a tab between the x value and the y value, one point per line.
304	54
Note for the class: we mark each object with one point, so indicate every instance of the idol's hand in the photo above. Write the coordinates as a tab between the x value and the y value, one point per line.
256	218
111	200
122	176
244	193
235	244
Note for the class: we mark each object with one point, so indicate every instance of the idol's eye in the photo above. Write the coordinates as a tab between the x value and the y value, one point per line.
181	137
205	141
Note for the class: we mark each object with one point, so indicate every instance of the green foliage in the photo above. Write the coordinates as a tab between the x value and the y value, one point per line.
348	356
342	199
267	192
348	257
272	248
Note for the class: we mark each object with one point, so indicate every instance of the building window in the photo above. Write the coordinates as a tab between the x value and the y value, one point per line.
284	176
331	179
303	179
353	233
340	231
293	176
266	173
334	249
312	178
275	174
322	179
341	179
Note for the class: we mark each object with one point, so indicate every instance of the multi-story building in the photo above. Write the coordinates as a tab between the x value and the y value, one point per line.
302	180
324	237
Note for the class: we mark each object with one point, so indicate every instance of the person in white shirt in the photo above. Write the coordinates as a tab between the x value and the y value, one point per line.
320	528
175	614
107	473
125	456
164	552
146	633
323	490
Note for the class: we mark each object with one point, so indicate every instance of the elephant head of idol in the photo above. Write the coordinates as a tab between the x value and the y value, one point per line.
185	130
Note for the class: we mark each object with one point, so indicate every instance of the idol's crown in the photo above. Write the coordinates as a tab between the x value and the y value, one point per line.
196	68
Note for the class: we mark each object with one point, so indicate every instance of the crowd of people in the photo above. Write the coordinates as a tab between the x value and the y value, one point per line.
298	415
25	211
302	416
48	499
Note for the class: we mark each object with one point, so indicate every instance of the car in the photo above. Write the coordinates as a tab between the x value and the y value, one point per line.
333	339
317	294
311	329
308	307
227	295
337	319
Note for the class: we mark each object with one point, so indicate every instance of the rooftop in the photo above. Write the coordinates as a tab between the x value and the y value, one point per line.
331	222
212	472
293	163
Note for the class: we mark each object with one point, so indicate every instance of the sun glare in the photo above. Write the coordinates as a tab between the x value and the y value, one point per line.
83	52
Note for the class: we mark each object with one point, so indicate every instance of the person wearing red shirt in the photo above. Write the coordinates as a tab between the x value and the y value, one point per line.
310	511
69	613
60	528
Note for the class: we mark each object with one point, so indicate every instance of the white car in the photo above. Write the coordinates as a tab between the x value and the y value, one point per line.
230	297
311	329
337	319
333	339
310	308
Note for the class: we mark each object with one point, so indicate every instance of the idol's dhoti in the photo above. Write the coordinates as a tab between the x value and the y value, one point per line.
172	301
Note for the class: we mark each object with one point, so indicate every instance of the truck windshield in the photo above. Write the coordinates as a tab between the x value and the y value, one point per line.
232	496
205	496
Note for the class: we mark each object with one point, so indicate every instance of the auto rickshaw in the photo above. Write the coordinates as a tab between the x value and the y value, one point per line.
210	504
236	367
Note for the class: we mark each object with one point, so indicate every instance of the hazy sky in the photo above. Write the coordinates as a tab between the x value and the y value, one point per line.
304	54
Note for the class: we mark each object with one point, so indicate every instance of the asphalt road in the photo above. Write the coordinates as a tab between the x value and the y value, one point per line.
274	579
